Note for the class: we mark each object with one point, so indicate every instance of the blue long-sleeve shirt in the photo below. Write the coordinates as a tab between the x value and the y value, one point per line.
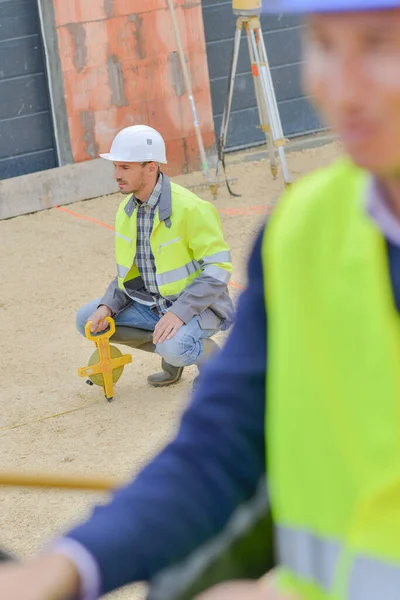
187	494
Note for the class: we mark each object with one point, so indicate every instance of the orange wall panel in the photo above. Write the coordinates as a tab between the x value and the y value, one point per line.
177	158
106	122
192	154
121	67
79	11
129	7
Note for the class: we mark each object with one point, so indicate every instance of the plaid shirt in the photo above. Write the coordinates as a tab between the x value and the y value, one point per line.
144	257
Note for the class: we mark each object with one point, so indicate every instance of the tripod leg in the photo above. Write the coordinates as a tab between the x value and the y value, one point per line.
228	102
260	97
270	97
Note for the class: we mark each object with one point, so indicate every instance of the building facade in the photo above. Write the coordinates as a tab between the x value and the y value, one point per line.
73	73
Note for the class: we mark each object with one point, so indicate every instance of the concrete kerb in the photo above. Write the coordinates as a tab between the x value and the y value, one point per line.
83	181
55	187
293	145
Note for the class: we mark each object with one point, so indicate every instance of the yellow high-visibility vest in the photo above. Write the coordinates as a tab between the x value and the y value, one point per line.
186	244
333	392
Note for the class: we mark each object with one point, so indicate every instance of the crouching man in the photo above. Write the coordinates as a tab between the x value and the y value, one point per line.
170	295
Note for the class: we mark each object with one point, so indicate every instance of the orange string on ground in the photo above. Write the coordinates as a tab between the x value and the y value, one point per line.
74	214
253	210
236	285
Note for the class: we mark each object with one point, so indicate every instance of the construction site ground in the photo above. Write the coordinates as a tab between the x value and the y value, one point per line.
51	263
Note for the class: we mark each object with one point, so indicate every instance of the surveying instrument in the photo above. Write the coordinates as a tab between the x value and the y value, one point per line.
248	12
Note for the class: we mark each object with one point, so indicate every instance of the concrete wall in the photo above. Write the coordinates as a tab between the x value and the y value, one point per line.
120	67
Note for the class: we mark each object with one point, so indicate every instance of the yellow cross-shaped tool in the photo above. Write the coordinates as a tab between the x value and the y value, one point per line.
106	363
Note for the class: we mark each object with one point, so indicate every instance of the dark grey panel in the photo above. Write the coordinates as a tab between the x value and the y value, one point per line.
213	2
23	96
28	163
242	128
282	47
286	81
282	36
21	56
26	129
219	21
298	117
18	18
25	134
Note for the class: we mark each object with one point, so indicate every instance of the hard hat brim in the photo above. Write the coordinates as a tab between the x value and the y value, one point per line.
112	158
325	6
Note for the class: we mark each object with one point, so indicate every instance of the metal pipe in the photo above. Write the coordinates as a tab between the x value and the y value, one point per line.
188	85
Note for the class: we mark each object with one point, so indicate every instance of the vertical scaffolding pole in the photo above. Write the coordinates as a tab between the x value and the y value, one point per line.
188	85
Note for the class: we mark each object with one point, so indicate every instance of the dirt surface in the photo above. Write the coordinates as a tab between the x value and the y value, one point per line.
50	264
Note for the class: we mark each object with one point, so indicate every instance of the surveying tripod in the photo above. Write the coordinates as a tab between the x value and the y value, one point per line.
248	12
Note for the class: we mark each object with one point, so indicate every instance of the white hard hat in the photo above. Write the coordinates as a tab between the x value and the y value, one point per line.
138	143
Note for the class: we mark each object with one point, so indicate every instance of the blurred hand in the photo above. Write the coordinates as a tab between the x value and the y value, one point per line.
166	328
49	578
246	590
99	323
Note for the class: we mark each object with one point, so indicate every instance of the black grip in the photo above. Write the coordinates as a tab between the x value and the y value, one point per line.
6	556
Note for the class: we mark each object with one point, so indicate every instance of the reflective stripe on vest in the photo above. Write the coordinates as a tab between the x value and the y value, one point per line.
314	559
178	274
217	273
218	257
190	268
309	557
165	244
123	237
122	271
373	579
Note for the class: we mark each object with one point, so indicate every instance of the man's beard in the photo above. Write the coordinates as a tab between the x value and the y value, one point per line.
139	187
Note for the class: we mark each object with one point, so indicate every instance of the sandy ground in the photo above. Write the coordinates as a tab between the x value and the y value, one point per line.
50	264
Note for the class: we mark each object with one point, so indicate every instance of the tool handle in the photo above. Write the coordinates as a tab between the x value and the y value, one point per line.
105	334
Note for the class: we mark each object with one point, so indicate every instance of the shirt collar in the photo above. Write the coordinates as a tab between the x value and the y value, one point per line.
154	197
380	212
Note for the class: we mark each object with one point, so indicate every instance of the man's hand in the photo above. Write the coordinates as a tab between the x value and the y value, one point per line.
245	590
166	328
51	577
265	589
240	590
99	323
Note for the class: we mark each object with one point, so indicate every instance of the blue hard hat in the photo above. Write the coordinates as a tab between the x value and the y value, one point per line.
310	6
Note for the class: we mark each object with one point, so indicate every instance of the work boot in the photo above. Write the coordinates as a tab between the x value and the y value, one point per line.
142	339
209	347
167	376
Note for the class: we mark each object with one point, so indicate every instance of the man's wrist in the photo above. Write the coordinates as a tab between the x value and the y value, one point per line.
183	313
112	313
56	575
85	565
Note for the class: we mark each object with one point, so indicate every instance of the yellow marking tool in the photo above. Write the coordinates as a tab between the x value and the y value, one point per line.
107	363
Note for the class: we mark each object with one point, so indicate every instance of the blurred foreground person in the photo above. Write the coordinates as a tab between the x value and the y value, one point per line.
326	277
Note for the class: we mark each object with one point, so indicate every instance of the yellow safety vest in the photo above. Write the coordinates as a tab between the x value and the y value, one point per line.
187	243
333	412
